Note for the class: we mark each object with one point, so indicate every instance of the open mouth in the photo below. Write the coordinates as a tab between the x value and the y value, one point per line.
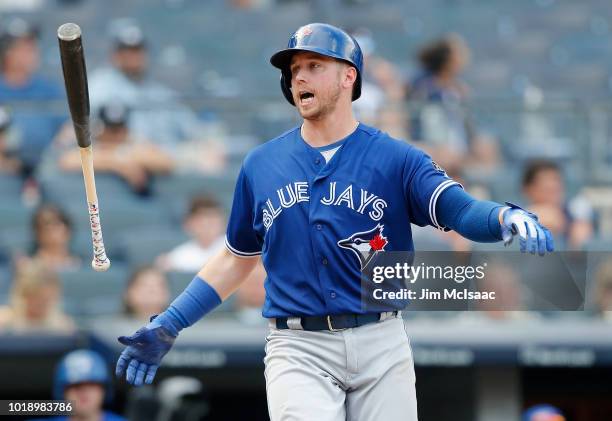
306	97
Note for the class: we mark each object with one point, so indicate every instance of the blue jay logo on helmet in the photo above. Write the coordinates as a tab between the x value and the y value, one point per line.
366	244
304	31
78	368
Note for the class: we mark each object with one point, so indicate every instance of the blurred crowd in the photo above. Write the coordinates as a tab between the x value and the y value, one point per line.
161	171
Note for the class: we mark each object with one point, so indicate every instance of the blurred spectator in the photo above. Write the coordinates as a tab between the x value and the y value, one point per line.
571	222
205	224
250	4
35	302
441	119
146	293
543	413
52	231
9	164
20	84
382	90
157	113
502	278
603	291
82	378
20	5
117	153
250	297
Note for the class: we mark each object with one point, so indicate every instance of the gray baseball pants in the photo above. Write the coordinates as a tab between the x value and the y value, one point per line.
365	373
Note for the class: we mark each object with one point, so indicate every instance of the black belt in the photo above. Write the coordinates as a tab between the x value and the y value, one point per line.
332	322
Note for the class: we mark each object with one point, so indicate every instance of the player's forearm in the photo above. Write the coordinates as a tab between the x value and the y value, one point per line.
225	272
476	220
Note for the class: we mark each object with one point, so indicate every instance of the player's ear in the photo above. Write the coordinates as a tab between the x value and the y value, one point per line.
349	76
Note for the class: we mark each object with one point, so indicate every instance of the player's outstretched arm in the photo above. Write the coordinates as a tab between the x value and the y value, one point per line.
217	280
486	221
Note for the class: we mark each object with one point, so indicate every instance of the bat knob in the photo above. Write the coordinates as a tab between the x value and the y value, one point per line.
100	266
69	32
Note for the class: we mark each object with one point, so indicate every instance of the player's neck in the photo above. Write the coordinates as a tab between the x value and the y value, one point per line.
318	133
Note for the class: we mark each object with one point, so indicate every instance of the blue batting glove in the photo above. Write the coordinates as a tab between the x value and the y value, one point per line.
533	236
145	350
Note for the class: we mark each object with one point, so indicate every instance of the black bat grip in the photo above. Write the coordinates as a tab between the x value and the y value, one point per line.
75	78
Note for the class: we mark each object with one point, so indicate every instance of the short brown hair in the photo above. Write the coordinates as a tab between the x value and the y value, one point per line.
435	55
200	203
535	167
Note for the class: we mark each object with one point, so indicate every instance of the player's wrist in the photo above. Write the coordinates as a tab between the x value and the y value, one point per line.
495	222
197	300
502	214
167	321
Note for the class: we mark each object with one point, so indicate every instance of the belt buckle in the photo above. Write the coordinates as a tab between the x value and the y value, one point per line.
329	324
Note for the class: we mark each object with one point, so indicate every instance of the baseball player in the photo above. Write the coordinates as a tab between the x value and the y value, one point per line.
314	204
82	377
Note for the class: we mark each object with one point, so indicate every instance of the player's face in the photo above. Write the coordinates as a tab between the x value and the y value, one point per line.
316	84
23	54
87	398
133	62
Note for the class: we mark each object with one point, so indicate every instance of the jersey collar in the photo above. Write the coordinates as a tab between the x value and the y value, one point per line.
314	155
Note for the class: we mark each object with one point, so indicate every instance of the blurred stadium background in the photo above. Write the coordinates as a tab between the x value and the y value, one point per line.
540	88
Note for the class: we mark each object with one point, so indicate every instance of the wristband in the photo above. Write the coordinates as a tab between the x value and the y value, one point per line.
197	300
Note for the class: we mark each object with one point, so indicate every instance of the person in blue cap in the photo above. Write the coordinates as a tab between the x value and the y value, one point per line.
82	377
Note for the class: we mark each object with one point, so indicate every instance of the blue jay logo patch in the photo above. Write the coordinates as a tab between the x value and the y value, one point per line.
437	167
366	244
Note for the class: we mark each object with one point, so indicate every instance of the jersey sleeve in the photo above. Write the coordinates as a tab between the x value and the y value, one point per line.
241	238
424	182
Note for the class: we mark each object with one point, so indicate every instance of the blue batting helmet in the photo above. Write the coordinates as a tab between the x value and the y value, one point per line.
80	366
551	413
323	39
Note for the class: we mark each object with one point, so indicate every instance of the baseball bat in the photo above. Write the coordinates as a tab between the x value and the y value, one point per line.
75	78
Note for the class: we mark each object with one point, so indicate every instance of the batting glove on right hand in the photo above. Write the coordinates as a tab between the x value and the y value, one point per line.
533	236
144	352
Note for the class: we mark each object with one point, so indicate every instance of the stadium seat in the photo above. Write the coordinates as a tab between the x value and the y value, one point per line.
599	245
10	187
118	217
69	188
178	281
14	240
82	246
88	293
175	192
14	215
5	283
142	246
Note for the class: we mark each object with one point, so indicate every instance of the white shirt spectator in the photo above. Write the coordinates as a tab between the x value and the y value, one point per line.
191	256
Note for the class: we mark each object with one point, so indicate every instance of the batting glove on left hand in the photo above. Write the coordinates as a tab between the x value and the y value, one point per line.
144	352
533	236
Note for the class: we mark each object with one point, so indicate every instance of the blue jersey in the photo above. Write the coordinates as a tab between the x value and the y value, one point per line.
317	224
